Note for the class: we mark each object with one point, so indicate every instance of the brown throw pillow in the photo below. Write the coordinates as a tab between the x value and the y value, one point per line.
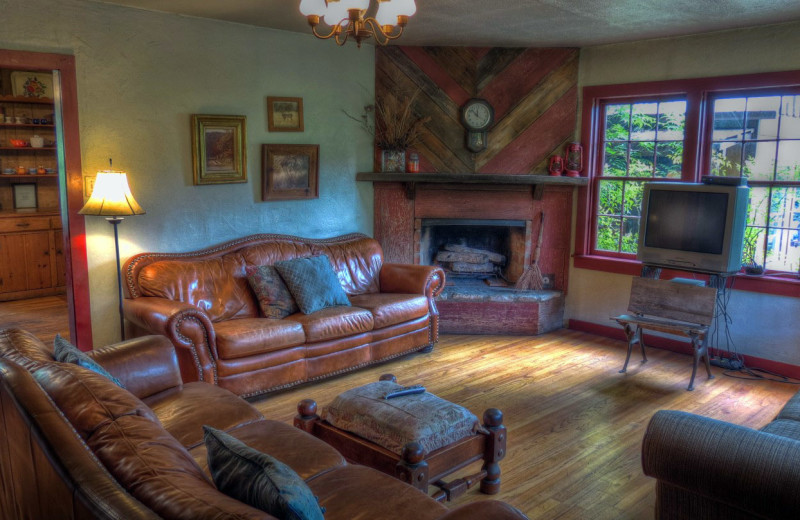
274	298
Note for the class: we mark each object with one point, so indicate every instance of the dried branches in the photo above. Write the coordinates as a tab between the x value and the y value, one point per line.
393	123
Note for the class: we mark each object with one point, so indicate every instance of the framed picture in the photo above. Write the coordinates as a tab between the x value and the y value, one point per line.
290	171
285	114
219	149
32	84
25	196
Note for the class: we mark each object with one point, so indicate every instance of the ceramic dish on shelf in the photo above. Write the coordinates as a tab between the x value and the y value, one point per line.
9	171
18	143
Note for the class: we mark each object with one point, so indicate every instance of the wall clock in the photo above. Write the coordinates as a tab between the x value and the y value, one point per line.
477	115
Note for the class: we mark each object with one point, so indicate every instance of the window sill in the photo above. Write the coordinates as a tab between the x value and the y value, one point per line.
766	284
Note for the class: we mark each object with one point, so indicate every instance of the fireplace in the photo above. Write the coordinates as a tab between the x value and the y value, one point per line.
420	217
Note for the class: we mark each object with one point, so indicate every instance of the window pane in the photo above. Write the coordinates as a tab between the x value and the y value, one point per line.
783	207
790	117
642	164
759	160
788	161
758	207
726	159
630	236
618	122
633	198
615	160
669	159
729	119
753	247
782	250
608	234
671	120
610	202
643	121
762	117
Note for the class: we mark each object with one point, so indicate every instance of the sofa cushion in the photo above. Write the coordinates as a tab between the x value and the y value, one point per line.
791	410
249	336
333	322
66	352
354	491
312	282
784	427
153	467
390	309
88	400
258	479
213	405
273	296
307	455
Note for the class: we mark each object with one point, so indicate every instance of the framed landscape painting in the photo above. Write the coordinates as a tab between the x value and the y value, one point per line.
285	114
219	149
290	172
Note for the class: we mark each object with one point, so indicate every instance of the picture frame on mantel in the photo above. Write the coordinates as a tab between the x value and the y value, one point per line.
289	172
284	114
219	149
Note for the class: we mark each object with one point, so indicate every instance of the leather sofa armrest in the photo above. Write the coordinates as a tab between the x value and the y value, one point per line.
493	509
188	328
145	365
748	469
412	279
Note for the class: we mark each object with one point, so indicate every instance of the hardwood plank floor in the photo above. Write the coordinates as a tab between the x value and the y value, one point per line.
44	317
575	425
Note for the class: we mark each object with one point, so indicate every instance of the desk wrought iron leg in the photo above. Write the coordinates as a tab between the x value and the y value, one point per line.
696	348
705	355
634	336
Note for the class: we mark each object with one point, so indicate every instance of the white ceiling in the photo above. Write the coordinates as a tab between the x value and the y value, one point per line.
516	23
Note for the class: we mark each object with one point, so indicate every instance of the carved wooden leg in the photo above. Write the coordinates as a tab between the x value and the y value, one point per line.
388	377
306	415
495	450
413	469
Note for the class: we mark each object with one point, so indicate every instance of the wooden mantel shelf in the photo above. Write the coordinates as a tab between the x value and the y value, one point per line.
412	179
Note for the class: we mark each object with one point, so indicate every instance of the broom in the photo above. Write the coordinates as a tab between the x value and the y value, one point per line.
532	276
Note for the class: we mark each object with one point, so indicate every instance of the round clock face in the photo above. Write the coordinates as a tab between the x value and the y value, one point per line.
477	114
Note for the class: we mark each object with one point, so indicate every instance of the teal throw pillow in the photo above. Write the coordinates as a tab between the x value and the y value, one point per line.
257	479
273	296
66	352
312	282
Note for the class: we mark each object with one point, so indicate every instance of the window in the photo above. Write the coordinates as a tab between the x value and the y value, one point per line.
680	131
642	141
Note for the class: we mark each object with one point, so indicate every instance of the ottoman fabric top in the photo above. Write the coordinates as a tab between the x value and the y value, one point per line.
392	423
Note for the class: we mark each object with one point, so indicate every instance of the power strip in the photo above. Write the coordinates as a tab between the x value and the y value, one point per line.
726	363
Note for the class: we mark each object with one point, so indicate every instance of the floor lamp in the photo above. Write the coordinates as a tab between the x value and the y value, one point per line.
112	198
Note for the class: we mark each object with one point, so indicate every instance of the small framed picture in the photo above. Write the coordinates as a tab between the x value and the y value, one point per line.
25	196
290	172
285	114
219	149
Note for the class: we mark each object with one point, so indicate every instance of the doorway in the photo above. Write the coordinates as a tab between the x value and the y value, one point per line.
68	176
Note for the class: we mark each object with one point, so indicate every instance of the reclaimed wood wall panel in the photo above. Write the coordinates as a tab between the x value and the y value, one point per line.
533	91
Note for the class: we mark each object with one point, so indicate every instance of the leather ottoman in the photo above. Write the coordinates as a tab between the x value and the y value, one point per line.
417	437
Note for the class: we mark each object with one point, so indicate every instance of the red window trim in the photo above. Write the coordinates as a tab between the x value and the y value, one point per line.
696	91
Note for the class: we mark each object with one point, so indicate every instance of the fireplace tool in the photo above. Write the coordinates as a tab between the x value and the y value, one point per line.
532	276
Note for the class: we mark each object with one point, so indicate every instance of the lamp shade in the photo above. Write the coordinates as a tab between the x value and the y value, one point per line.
313	7
111	196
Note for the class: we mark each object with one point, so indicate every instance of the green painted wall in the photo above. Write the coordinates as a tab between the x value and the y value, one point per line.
763	325
140	77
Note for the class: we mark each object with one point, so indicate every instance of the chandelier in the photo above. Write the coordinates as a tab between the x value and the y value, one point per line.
347	18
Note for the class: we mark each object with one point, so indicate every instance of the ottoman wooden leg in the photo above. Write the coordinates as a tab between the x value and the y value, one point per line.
495	450
413	469
306	415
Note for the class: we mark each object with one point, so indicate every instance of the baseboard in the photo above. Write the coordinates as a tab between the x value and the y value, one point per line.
682	347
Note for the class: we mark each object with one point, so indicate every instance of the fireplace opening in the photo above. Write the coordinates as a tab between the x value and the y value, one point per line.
470	250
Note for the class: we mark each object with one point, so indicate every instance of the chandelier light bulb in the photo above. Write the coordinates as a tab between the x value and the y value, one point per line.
313	7
348	18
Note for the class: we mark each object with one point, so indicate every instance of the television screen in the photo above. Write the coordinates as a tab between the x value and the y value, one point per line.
687	221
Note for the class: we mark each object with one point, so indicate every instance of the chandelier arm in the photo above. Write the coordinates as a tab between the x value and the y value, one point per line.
336	29
341	41
377	31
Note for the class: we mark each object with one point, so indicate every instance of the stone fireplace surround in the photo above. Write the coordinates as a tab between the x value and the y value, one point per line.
404	201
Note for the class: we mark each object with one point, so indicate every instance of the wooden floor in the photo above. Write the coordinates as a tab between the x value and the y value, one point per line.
575	425
45	317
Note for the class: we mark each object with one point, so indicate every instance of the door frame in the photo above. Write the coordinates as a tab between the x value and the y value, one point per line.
70	184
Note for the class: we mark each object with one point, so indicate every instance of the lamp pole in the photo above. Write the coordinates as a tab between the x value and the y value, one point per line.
114	221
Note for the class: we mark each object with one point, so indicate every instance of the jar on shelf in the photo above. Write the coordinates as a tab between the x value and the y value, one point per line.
412	163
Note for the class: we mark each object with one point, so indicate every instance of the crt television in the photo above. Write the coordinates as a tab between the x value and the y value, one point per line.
694	227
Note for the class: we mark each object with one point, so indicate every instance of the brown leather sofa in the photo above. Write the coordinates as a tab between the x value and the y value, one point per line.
74	445
710	469
202	302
